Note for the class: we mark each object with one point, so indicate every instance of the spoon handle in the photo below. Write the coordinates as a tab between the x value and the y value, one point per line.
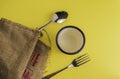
41	28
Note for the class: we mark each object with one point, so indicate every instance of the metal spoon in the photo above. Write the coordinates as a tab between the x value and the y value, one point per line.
58	17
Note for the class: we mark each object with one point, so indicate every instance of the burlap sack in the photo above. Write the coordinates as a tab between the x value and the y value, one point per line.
35	67
17	43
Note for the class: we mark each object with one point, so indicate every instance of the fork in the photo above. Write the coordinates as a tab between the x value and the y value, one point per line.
75	63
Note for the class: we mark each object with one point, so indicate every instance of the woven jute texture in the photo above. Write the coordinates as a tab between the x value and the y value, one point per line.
36	64
17	48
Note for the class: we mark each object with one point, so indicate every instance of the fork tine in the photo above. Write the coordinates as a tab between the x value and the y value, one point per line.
80	60
81	57
83	62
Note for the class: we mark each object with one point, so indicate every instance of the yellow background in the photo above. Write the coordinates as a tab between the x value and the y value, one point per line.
99	20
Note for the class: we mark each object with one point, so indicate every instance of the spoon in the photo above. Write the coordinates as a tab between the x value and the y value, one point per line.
58	17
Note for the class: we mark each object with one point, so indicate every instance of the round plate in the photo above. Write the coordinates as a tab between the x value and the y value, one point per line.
70	40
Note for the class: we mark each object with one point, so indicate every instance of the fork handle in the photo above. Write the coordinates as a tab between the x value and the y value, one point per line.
54	73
